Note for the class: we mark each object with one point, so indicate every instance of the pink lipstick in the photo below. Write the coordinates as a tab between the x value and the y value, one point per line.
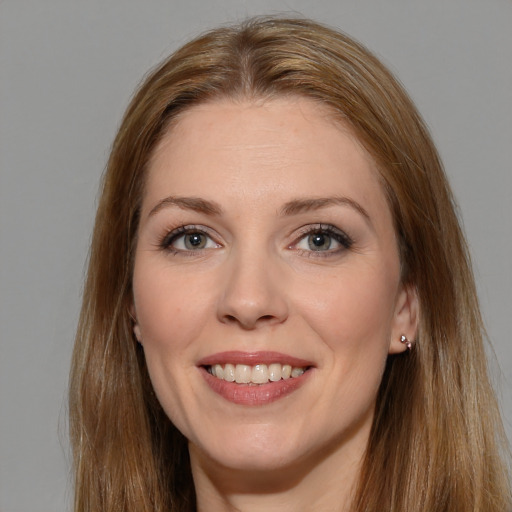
254	378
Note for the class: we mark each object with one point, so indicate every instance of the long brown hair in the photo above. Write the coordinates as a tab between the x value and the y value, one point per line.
436	438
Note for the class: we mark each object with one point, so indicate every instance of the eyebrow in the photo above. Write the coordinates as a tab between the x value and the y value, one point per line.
293	207
305	205
188	203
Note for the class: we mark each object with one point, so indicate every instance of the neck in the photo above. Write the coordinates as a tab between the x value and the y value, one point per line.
325	482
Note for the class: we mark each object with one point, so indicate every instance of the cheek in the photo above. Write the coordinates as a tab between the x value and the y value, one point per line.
352	305
170	314
169	307
353	313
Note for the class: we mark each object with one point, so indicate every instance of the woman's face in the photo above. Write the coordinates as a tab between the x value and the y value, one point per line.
265	247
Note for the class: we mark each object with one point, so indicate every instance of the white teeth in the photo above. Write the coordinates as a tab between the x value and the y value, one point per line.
297	372
218	371
274	372
229	373
257	374
243	374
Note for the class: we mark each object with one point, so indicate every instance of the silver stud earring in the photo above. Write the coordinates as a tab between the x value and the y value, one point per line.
408	343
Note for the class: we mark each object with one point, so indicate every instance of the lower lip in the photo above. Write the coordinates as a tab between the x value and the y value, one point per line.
256	394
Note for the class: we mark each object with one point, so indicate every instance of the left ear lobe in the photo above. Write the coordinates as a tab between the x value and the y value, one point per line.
136	328
136	331
406	318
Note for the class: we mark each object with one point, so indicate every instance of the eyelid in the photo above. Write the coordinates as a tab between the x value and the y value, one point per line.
339	235
165	243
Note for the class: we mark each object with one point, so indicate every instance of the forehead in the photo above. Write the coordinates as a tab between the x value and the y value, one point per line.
262	150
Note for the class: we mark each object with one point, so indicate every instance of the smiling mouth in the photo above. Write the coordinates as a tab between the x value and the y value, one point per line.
254	378
255	374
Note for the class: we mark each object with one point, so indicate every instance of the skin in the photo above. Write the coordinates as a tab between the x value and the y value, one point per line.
258	285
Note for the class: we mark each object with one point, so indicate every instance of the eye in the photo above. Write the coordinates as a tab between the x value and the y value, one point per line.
323	239
187	239
318	242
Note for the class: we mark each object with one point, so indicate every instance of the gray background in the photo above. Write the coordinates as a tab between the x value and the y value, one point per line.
67	70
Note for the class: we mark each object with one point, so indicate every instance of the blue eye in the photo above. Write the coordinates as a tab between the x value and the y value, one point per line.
321	238
186	239
320	242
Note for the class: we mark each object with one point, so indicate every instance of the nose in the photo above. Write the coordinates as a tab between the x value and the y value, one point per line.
253	293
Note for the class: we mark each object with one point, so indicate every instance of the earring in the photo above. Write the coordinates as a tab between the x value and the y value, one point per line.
408	343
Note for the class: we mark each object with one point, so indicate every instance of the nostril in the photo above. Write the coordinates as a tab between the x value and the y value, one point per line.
230	319
250	323
251	305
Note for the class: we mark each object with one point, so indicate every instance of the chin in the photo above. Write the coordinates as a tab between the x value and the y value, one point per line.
256	448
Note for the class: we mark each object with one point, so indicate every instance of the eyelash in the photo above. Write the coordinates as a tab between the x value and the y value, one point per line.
171	237
333	232
346	242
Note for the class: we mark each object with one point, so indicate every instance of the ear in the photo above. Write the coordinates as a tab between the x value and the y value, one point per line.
136	328
406	318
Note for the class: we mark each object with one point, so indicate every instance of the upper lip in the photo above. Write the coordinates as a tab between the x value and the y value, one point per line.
253	358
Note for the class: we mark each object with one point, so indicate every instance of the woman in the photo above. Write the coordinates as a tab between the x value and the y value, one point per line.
279	311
